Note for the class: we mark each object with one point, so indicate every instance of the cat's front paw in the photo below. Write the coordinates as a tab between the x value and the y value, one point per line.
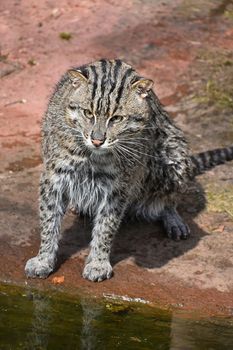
97	271
39	267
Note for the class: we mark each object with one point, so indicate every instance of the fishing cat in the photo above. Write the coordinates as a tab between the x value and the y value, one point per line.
109	148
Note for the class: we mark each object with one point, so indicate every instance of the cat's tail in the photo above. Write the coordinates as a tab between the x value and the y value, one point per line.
207	160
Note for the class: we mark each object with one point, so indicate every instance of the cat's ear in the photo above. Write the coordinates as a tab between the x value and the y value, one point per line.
143	86
77	77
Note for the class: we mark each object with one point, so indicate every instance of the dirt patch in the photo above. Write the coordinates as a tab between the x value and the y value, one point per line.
24	163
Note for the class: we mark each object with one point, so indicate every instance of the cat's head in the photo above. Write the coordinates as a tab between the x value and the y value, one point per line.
108	104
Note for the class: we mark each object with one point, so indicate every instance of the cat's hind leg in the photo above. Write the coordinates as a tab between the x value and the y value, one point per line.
157	210
173	224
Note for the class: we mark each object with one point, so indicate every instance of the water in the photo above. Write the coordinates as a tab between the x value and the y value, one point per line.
32	320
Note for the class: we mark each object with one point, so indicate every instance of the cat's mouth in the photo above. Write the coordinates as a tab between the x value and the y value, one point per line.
99	145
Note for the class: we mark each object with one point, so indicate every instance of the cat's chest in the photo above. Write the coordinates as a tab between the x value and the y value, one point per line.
91	185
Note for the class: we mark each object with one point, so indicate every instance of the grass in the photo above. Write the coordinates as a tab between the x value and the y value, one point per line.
229	14
216	68
219	94
220	199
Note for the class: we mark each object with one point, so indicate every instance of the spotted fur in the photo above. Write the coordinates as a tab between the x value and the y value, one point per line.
109	149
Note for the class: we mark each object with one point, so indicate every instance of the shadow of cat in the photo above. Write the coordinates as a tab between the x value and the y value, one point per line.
145	242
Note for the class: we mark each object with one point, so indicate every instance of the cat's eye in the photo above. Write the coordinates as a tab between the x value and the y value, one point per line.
88	113
72	106
116	119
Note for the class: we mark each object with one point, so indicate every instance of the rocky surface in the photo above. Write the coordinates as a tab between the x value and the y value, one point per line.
186	47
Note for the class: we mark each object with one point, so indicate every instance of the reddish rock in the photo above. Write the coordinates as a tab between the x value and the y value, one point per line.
162	40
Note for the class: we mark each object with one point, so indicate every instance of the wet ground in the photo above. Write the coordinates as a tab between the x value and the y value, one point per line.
186	47
56	321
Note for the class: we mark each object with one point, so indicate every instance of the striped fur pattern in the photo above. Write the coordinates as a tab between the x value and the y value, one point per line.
109	149
209	159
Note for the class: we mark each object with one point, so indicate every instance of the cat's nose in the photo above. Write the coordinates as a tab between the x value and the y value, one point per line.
97	138
97	143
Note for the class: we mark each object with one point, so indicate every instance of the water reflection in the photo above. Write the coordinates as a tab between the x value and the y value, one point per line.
194	334
37	337
34	321
91	312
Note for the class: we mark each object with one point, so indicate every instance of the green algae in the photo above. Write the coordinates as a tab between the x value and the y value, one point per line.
32	62
216	71
229	14
221	95
220	199
189	9
36	320
117	307
65	36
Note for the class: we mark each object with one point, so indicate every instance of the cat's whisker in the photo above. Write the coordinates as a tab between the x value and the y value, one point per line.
143	153
116	156
146	154
132	137
131	153
121	154
138	144
115	153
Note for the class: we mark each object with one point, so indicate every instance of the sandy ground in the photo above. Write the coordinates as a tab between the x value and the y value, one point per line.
186	47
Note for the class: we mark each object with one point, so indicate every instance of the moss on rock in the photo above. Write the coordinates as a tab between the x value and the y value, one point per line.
220	198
